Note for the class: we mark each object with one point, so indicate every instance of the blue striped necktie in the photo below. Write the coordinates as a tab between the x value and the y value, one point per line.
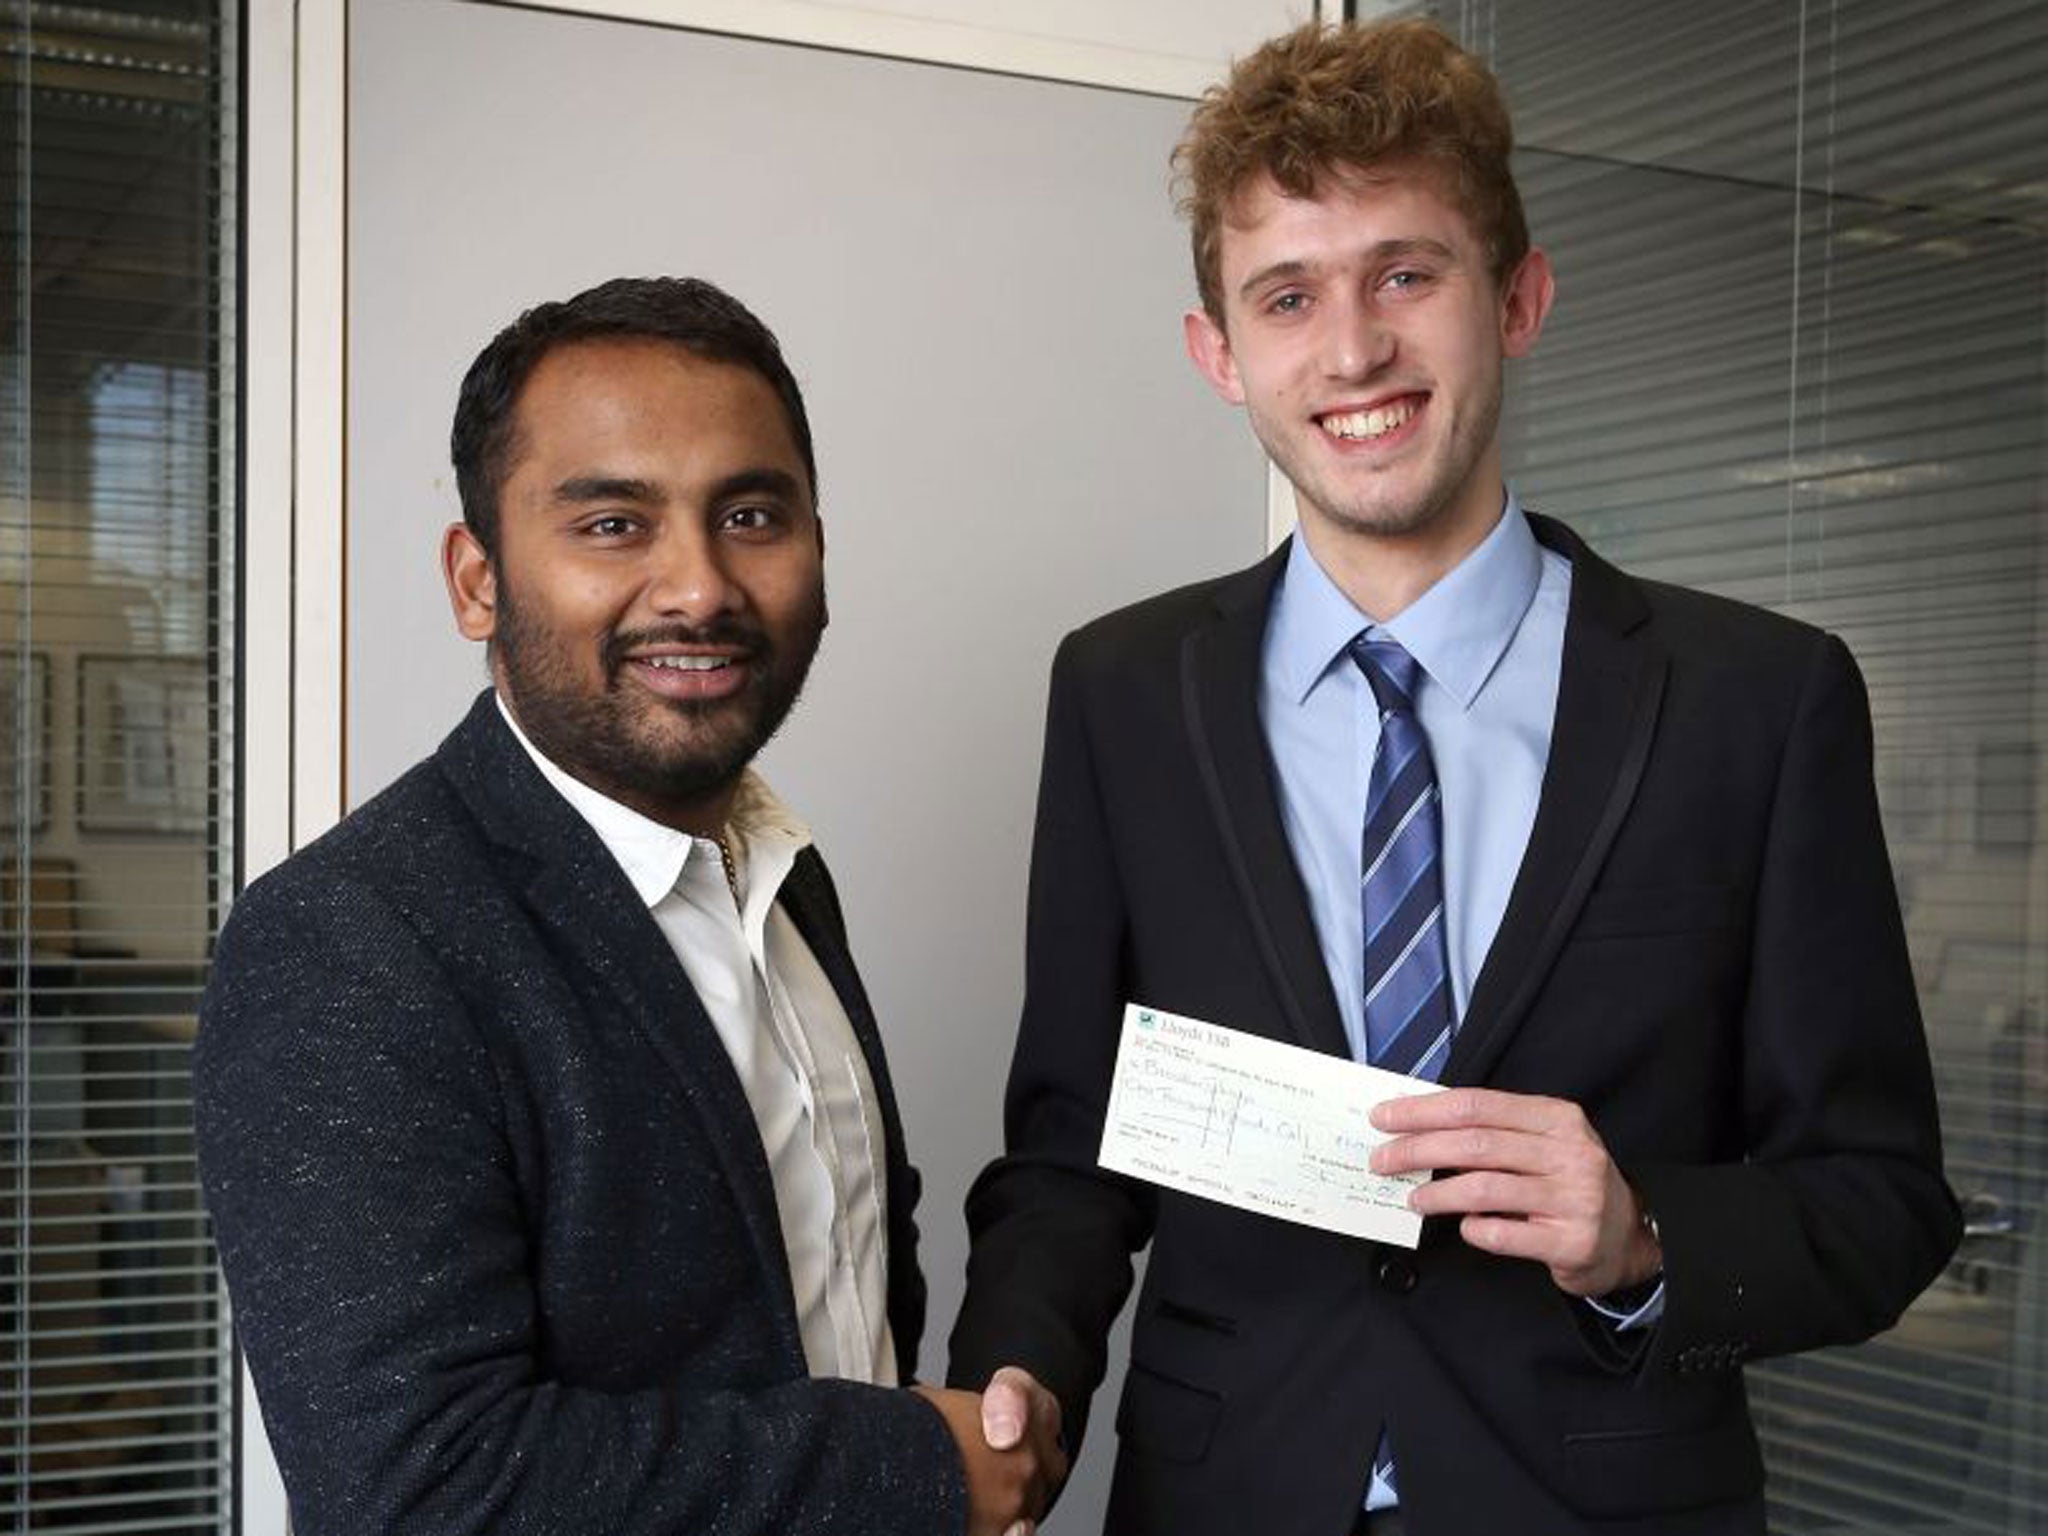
1407	965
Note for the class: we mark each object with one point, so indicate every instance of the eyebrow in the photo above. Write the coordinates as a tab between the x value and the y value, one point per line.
579	489
761	481
1382	250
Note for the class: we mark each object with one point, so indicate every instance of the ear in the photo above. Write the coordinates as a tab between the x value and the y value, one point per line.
824	607
1209	350
472	583
1524	303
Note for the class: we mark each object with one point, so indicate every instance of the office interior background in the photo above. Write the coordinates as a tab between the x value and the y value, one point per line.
1798	357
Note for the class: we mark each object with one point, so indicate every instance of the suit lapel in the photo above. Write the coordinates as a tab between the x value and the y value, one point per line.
1609	693
583	902
812	902
808	897
1220	700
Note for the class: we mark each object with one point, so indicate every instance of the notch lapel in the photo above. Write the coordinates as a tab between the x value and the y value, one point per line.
811	901
1219	677
581	899
1609	693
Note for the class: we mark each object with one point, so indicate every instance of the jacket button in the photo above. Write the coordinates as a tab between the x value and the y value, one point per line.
1395	1272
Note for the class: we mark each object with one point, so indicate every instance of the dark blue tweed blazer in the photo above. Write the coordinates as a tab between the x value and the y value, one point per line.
495	1218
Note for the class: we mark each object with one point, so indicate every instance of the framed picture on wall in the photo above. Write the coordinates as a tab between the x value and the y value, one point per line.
25	727
143	743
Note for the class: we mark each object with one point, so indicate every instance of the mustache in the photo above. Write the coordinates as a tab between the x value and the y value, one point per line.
750	640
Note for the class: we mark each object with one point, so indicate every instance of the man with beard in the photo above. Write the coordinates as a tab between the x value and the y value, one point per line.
1435	788
543	1121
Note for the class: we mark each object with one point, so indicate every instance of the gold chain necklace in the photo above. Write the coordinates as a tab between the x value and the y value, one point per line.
732	870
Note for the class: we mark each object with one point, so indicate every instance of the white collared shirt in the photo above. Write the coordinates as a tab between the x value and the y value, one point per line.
791	1043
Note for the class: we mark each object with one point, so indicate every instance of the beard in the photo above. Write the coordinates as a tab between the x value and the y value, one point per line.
656	755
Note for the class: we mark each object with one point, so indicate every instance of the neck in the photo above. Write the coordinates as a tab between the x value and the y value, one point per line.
704	817
1384	573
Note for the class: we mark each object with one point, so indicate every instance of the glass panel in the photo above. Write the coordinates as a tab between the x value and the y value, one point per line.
1798	358
116	558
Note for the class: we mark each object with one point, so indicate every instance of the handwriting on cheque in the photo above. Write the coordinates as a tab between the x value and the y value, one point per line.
1256	1124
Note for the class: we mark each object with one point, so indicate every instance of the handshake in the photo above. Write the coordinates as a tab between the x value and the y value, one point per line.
1009	1440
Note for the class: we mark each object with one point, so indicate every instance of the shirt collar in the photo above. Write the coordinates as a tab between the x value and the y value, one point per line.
652	855
1457	631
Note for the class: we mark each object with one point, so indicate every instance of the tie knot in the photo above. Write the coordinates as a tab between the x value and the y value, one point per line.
1389	671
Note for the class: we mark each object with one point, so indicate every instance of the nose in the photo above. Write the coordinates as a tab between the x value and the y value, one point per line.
1357	341
687	577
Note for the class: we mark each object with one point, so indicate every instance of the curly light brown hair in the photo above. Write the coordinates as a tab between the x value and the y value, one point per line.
1326	100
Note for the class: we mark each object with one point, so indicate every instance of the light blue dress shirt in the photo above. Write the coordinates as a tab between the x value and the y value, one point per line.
1489	637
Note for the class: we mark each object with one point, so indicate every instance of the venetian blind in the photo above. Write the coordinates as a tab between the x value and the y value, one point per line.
116	557
1798	358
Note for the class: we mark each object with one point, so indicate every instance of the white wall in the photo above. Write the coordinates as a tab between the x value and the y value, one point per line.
1145	45
297	316
978	280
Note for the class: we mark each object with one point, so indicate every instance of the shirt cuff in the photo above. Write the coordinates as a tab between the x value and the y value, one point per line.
1625	1311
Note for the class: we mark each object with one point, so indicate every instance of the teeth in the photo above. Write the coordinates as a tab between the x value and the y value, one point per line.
1354	425
689	663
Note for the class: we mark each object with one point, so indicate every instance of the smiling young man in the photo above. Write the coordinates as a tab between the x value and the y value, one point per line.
544	1124
1436	788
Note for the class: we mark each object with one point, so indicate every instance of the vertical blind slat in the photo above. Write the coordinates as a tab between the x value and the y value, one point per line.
116	675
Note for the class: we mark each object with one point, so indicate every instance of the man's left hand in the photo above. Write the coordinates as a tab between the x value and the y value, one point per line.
1530	1179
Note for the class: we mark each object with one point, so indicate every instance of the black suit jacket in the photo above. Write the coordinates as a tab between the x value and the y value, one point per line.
1702	948
494	1214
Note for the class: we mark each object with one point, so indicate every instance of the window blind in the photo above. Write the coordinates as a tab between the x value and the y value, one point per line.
117	506
1798	358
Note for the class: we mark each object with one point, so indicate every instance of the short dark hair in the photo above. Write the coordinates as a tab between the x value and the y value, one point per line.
686	311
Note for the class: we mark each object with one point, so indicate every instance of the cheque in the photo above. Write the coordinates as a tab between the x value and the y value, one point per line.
1256	1124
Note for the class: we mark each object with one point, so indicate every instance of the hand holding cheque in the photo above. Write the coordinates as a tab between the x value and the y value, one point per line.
1532	1180
1329	1143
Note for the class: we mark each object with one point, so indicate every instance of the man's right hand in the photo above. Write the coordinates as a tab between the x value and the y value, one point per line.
1009	1441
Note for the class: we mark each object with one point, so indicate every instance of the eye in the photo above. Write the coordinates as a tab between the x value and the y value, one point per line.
612	525
751	518
1288	302
1407	280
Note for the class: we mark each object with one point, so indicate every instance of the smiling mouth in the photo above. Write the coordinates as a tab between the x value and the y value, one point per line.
688	663
1364	426
693	678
